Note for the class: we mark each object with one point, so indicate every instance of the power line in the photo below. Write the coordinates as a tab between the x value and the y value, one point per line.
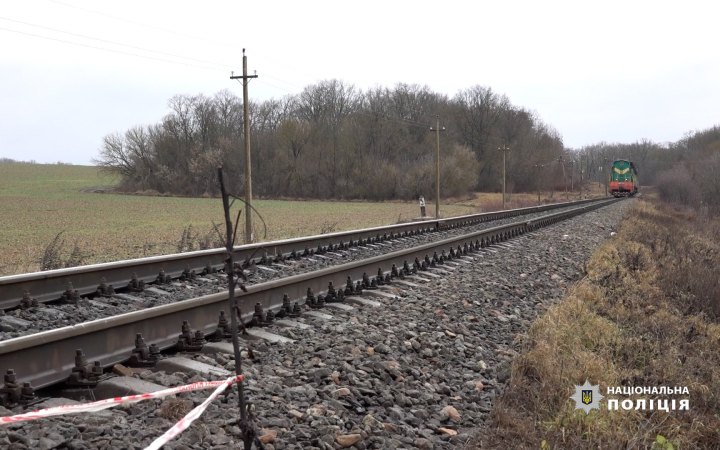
276	86
112	42
369	114
174	33
289	83
121	52
389	118
153	27
105	49
372	115
405	121
399	120
383	116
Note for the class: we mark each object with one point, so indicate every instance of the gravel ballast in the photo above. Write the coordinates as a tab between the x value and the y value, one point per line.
420	371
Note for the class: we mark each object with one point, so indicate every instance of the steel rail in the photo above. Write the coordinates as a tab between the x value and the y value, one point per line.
50	285
48	357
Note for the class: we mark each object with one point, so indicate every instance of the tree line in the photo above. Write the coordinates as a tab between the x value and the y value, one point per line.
333	140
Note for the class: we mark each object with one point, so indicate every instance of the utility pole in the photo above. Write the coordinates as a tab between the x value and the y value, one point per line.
537	180
504	150
437	131
582	172
607	176
588	171
562	164
246	130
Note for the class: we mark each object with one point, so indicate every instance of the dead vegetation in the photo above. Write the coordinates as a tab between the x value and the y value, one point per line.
174	409
55	255
191	240
645	315
328	227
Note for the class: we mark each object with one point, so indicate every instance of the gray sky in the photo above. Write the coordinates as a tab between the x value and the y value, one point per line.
617	71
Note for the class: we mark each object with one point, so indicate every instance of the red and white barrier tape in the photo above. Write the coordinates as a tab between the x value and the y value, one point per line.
191	416
111	402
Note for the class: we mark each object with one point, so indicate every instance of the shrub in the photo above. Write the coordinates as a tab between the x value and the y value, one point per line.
677	186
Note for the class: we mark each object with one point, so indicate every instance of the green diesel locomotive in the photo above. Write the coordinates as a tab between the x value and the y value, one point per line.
623	178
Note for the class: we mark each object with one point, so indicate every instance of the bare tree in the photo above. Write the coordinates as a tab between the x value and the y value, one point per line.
330	141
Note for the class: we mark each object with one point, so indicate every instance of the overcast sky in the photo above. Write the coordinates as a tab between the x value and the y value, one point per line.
72	71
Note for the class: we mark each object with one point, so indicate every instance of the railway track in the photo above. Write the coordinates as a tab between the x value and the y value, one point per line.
74	309
50	357
52	285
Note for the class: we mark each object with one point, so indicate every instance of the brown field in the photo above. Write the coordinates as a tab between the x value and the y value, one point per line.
39	201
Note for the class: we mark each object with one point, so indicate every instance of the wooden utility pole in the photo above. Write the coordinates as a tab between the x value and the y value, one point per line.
607	175
562	164
248	168
437	131
537	179
504	150
582	173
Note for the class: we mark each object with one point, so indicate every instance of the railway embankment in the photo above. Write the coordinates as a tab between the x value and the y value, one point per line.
646	315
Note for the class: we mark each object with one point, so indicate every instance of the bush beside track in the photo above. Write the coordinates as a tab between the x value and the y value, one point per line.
646	314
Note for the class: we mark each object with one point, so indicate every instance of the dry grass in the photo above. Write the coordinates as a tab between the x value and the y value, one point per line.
492	201
174	409
630	322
